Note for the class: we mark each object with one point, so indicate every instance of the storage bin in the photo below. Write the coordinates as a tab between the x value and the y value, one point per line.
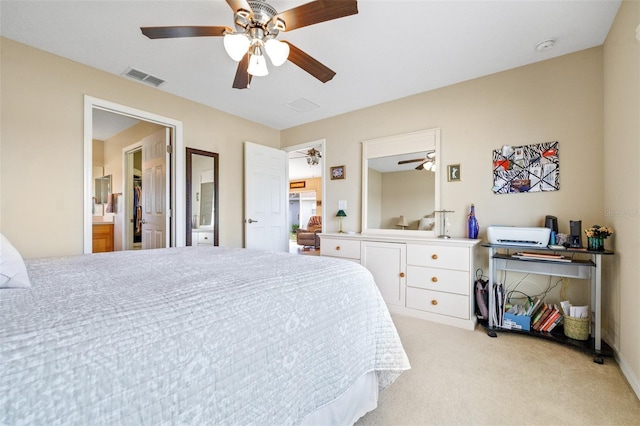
576	328
517	322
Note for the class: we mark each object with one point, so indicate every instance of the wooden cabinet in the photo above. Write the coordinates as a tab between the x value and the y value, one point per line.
428	278
102	237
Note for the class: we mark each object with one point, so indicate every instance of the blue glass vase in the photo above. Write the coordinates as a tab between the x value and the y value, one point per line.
595	243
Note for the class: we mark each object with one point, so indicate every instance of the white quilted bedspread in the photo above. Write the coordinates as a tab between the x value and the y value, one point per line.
189	336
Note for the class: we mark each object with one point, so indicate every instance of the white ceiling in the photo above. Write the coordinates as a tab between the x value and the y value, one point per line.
389	50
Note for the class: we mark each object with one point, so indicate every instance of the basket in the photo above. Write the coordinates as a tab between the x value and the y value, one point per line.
576	328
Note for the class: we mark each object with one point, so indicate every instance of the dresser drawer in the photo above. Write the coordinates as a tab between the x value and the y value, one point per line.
454	305
437	279
437	256
205	238
340	248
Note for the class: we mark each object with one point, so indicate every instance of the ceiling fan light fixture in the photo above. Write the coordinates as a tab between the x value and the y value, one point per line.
257	65
236	45
278	51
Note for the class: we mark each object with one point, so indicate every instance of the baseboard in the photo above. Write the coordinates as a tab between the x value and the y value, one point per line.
627	372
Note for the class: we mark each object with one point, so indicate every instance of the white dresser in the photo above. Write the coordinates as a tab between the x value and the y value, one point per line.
202	237
428	278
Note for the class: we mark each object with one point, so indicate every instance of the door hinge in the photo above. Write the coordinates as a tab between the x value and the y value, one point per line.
169	149
169	213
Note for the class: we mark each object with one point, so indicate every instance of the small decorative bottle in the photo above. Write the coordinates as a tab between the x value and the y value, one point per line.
472	224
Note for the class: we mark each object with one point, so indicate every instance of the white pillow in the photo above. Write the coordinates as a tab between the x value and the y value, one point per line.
426	223
13	272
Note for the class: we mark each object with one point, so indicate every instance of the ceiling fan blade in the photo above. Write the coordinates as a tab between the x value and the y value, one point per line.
243	78
184	31
310	65
237	5
316	12
411	161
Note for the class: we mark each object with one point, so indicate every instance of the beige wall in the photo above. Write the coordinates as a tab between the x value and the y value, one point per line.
559	99
410	193
42	103
621	156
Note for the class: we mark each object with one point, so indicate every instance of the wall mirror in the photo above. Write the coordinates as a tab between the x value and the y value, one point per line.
102	189
401	184
202	197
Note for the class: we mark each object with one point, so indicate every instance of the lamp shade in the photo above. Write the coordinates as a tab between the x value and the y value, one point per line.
278	51
236	45
257	66
402	221
341	213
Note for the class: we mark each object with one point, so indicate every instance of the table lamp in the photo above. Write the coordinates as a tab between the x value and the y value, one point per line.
402	222
340	215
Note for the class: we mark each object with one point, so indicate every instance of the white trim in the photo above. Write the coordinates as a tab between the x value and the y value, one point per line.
395	145
178	177
626	369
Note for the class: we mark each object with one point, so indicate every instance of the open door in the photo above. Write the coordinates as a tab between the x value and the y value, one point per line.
155	196
265	192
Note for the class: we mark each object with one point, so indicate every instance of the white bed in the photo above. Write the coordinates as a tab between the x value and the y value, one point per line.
194	336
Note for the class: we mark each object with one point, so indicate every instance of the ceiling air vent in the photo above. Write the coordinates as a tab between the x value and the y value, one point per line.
143	77
302	105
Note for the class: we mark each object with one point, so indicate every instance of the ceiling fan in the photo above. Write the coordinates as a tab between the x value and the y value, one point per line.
427	163
313	157
257	25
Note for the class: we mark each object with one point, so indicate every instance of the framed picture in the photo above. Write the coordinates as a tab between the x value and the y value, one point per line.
453	172
338	172
297	184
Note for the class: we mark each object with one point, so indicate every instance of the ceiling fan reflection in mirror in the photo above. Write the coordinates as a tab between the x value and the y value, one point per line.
427	163
257	25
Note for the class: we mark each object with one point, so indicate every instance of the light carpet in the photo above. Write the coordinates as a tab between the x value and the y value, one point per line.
461	377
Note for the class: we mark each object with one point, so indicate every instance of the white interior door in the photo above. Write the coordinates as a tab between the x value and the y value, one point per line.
155	197
265	189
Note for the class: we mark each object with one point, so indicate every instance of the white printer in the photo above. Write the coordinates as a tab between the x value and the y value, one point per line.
512	235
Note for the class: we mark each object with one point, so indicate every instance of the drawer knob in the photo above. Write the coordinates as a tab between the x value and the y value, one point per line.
401	274
434	256
337	248
434	279
434	302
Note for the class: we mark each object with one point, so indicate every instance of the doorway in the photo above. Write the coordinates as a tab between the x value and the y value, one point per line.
169	187
306	189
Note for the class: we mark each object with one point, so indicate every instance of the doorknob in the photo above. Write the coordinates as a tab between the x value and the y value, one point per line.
251	221
143	221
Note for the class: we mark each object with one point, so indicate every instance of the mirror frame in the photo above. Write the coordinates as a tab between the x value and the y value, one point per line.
395	145
189	183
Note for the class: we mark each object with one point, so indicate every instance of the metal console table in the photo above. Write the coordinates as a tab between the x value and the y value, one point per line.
578	268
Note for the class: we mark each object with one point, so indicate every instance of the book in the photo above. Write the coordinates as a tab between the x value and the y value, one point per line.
543	318
544	255
541	256
555	323
550	319
533	308
538	314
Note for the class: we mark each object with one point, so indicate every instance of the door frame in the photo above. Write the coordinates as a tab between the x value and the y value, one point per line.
323	181
177	205
127	194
